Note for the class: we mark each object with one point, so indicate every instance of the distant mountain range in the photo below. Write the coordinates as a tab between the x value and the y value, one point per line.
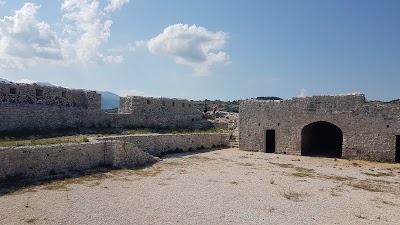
2	80
109	100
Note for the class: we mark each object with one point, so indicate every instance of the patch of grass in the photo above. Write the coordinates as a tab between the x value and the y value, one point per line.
303	170
379	174
62	185
298	169
172	163
389	203
366	186
338	178
44	141
94	184
31	220
245	164
200	158
302	174
148	172
138	131
294	195
24	190
283	165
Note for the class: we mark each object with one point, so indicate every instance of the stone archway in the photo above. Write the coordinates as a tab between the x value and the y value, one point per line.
321	139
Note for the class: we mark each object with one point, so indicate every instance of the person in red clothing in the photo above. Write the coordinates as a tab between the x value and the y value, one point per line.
214	109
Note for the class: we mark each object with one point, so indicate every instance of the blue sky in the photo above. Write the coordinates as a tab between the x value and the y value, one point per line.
205	49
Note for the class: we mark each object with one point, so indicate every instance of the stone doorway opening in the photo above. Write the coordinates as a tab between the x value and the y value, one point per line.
270	141
397	158
321	139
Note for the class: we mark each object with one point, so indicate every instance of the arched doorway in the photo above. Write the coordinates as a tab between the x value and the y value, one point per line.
321	139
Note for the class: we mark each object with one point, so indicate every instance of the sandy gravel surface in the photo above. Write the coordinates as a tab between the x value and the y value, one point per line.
224	186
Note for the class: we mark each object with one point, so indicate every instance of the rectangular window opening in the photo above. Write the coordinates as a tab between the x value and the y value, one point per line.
183	104
13	91
148	102
173	103
270	141
39	92
64	94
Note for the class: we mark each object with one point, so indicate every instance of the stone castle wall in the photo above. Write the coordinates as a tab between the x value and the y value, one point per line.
369	129
21	117
123	151
156	144
33	107
132	104
51	96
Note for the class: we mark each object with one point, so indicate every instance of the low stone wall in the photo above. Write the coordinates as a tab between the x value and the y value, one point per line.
117	151
156	144
34	161
17	117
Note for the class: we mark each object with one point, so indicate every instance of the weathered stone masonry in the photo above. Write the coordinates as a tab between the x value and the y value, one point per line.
31	107
119	151
333	126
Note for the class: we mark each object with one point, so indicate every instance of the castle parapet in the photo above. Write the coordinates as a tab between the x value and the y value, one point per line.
135	104
32	94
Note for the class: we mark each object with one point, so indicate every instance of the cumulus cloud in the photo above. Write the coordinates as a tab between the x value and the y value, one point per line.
83	20
303	93
3	2
191	45
23	36
115	4
26	41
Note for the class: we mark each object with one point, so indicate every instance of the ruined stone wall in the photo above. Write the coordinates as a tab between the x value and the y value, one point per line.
369	129
156	144
132	104
33	107
118	151
51	96
15	117
34	161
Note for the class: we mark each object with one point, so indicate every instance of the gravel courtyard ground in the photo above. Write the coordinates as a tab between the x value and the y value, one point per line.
223	186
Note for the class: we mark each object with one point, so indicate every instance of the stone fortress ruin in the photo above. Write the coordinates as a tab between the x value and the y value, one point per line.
26	107
338	126
341	126
34	107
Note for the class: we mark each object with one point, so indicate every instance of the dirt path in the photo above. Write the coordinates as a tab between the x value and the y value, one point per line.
225	186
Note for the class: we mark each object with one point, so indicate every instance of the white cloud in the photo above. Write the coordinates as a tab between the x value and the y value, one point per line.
25	41
84	21
191	45
303	93
3	2
136	45
22	36
25	81
124	93
115	4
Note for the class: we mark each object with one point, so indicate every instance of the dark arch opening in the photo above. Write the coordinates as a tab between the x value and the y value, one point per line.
321	139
